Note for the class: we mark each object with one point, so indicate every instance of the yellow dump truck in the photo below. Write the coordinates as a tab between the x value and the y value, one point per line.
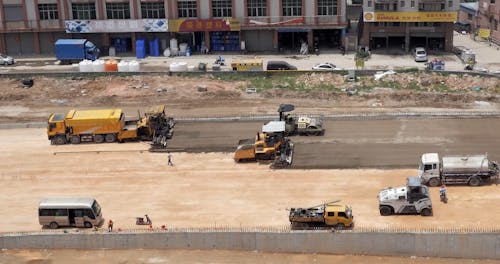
109	125
324	216
248	65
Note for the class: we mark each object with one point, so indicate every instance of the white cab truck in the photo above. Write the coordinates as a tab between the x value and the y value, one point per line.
410	199
473	170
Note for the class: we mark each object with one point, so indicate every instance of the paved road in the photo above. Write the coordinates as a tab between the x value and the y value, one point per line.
357	143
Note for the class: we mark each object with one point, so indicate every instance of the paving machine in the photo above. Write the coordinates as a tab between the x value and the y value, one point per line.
269	145
300	125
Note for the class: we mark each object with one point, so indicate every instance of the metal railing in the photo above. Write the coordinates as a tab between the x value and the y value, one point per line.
267	229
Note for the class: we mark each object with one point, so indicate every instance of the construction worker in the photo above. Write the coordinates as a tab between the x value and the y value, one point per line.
442	193
170	160
110	225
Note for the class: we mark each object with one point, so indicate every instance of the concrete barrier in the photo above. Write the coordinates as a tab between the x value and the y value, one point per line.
453	245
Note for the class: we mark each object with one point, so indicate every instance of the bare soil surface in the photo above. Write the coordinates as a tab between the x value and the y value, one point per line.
205	189
206	95
197	256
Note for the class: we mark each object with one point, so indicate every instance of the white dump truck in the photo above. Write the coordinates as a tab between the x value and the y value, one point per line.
410	199
473	170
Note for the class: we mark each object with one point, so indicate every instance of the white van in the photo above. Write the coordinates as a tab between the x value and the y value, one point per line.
78	212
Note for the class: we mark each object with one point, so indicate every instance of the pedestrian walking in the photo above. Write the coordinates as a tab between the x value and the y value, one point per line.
110	225
170	163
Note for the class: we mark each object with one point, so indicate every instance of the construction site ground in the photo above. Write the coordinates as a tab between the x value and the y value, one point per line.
211	190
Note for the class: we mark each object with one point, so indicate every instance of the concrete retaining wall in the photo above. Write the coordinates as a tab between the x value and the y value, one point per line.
472	245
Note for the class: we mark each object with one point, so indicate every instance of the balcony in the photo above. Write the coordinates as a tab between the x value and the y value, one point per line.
30	26
280	21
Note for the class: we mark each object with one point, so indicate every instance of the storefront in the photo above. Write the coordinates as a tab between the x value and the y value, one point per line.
258	40
119	34
213	34
406	30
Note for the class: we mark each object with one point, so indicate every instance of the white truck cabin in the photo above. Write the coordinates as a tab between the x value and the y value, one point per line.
429	167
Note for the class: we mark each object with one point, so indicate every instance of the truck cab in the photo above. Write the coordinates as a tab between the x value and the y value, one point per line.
338	215
429	169
56	130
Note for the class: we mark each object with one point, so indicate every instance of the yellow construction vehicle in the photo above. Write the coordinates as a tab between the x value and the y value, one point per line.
270	144
323	216
109	125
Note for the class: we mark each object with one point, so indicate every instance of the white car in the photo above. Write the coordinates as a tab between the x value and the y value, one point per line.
6	60
324	67
420	54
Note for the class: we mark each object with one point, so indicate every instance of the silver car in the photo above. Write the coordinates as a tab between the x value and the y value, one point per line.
6	60
420	54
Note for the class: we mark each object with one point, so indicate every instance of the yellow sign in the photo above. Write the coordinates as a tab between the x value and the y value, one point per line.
483	33
410	16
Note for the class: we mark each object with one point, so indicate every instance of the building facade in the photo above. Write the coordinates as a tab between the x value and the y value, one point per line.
405	24
32	26
489	17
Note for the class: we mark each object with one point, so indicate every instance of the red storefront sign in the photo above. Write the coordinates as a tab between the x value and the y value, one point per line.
193	25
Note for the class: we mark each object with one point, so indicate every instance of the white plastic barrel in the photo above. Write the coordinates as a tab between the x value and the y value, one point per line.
85	66
98	66
183	48
123	66
173	44
133	66
166	53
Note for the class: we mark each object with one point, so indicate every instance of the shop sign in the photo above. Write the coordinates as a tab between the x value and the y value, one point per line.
116	25
483	33
193	25
410	16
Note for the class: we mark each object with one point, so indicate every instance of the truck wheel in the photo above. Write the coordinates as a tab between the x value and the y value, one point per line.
434	182
59	140
475	181
98	138
87	225
426	212
339	227
385	210
110	138
53	225
75	139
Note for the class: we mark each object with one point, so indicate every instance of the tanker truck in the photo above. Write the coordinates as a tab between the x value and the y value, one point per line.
323	216
473	170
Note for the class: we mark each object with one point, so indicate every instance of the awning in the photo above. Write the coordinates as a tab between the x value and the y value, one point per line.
282	30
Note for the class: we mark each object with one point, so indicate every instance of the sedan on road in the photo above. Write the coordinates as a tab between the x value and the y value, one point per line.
324	67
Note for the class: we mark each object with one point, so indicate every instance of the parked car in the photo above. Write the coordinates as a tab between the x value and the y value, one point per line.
324	67
420	54
280	66
6	60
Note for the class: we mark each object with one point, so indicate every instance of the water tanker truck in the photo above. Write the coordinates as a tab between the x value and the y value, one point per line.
473	170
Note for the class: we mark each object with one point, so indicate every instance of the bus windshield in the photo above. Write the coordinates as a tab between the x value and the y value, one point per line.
96	208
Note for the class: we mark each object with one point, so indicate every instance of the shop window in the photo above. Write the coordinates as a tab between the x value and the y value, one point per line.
396	24
153	9
257	8
83	10
327	7
48	11
292	7
222	8
187	8
118	10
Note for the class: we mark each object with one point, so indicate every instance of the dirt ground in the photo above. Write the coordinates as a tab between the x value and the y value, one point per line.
198	256
184	98
205	189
